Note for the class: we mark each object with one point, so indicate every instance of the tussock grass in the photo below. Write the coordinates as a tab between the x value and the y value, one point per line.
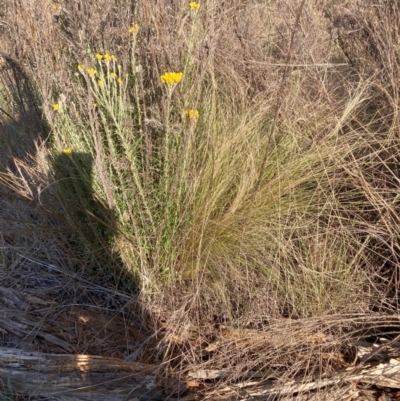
261	185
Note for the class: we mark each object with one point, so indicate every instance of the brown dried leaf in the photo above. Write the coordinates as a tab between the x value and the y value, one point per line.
192	383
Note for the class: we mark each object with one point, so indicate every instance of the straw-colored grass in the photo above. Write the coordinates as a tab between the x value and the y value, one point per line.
256	179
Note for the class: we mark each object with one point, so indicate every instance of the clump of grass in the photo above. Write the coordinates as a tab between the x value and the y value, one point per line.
213	195
228	193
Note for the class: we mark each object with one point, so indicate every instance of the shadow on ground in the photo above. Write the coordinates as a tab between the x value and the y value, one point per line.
65	305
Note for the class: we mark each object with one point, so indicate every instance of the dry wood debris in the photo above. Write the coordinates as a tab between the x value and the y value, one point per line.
63	338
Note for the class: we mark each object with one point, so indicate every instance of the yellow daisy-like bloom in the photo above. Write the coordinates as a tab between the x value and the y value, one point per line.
113	75
194	5
81	67
107	57
134	28
91	71
55	6
100	82
67	151
119	80
56	107
99	56
171	78
192	114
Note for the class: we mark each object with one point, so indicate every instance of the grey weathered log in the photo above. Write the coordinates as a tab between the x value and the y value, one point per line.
384	374
78	377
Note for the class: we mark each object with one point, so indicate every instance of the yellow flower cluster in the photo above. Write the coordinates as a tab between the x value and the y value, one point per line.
192	114
105	57
194	5
81	67
91	71
67	151
56	107
171	78
134	28
55	6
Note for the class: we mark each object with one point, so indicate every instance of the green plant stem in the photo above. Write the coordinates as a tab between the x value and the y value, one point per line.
189	47
136	84
167	145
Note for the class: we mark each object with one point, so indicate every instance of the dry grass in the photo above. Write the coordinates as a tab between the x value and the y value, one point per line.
279	202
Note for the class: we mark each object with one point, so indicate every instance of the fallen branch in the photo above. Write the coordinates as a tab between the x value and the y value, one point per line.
384	374
78	377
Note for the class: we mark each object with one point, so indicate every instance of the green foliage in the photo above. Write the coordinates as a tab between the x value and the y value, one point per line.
223	176
7	393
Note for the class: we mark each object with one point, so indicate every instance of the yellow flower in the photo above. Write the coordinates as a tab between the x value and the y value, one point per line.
113	58
194	5
192	114
113	75
67	151
56	107
107	57
81	67
134	28
91	71
171	78
119	80
100	82
94	105
99	56
55	6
